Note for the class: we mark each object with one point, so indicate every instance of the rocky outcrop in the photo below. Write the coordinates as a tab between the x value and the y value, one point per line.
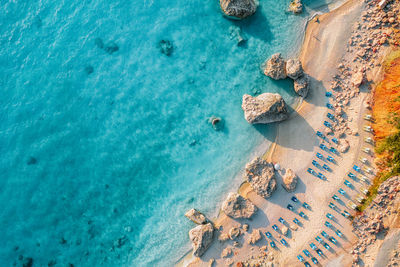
236	206
289	180
261	176
276	67
201	237
294	69
296	7
238	9
302	85
265	108
196	216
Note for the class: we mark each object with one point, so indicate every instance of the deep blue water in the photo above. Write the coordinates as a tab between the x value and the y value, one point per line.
104	149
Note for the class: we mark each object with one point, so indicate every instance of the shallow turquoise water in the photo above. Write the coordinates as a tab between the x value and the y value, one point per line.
98	160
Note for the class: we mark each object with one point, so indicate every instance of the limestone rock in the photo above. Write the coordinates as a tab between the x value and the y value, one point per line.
261	176
201	237
276	67
238	9
302	85
236	206
296	7
289	180
294	69
265	108
234	232
254	237
196	216
344	146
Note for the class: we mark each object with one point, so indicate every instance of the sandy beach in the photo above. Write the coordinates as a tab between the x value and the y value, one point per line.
325	47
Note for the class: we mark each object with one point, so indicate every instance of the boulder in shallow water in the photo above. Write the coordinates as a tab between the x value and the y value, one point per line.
302	85
236	206
276	67
196	216
261	176
289	180
265	108
217	123
201	237
296	7
238	9
294	69
166	47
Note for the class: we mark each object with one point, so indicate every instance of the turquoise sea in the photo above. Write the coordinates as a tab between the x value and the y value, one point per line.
105	141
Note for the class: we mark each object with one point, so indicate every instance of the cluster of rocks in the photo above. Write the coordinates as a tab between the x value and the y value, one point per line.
374	220
394	259
238	9
356	69
277	68
202	235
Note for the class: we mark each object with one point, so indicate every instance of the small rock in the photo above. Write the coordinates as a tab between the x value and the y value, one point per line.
344	146
217	123
245	227
254	237
223	237
285	230
226	252
357	78
289	180
31	161
111	48
27	262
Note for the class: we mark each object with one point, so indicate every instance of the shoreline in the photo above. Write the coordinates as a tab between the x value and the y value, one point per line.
310	113
188	259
